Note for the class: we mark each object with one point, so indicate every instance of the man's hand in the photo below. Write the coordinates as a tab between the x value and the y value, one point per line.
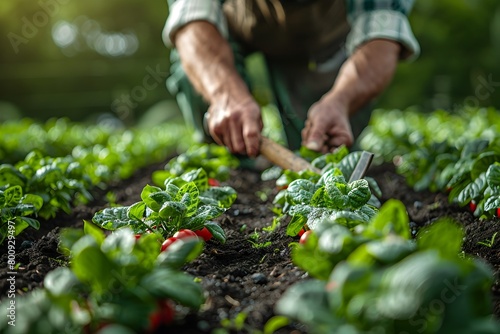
236	125
234	116
327	126
362	77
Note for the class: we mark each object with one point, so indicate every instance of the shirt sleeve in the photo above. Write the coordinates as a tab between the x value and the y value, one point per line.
182	12
388	19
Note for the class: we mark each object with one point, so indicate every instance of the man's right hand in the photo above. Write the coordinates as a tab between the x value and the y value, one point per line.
234	116
236	124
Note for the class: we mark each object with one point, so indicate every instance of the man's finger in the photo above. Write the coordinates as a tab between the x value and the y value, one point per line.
236	138
251	136
340	139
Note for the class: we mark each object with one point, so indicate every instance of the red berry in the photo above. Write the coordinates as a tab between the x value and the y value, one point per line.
167	243
213	182
185	233
472	206
498	212
137	236
204	233
162	316
305	236
301	232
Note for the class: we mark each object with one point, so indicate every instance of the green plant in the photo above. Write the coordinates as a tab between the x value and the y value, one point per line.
461	158
216	160
112	281
376	279
14	209
186	202
489	242
309	202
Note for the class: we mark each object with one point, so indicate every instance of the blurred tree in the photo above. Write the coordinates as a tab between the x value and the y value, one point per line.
459	64
75	58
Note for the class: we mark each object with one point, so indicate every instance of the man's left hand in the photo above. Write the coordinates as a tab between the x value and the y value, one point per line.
327	127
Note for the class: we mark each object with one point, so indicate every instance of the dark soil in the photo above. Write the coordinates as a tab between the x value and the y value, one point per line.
237	276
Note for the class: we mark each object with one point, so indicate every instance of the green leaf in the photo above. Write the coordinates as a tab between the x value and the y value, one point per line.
178	286
321	199
471	148
119	245
60	281
216	230
136	211
20	225
189	196
392	218
348	163
335	239
173	210
336	188
483	162
29	221
408	286
224	196
49	175
473	190
90	265
94	231
199	177
203	215
13	195
358	193
114	218
445	236
492	203
154	197
9	175
306	302
147	249
388	251
180	252
301	191
493	176
34	200
275	323
295	225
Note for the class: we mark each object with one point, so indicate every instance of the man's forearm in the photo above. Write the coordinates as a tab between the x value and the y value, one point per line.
209	63
365	74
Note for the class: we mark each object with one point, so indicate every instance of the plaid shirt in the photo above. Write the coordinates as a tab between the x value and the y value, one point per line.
369	19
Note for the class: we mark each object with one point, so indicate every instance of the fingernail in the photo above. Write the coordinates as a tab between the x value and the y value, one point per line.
313	145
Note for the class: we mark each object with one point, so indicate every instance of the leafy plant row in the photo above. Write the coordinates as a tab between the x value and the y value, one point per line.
458	153
44	185
116	284
131	280
369	275
375	279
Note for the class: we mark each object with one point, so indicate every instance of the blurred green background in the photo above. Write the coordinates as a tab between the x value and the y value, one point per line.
82	59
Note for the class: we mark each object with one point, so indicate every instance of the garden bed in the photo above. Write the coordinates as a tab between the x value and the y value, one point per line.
243	278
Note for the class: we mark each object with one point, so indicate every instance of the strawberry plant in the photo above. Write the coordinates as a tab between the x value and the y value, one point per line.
114	281
58	181
456	159
375	279
216	160
15	208
186	202
309	197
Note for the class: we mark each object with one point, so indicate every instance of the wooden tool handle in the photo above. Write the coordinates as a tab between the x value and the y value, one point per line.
283	157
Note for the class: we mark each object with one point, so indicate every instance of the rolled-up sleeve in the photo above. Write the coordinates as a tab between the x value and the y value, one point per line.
387	19
182	12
